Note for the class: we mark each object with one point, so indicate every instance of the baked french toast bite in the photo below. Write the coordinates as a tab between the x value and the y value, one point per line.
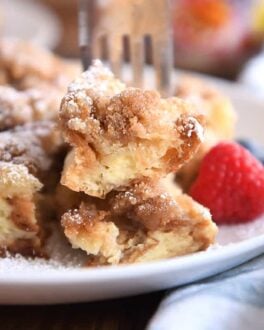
220	120
120	134
27	154
147	221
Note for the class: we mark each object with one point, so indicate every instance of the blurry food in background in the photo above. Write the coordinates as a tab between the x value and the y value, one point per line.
252	74
220	121
216	36
25	65
212	36
258	19
34	81
19	107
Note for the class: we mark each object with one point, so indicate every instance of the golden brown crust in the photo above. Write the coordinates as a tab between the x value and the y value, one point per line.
120	134
22	213
218	111
145	222
23	218
20	231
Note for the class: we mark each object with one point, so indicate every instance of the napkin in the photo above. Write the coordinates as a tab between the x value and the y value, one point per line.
230	301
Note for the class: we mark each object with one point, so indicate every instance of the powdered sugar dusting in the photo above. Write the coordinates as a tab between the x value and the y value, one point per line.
18	175
62	255
236	233
12	173
193	126
75	217
16	264
98	78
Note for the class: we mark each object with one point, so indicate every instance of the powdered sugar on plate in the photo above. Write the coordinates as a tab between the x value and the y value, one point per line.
64	258
239	232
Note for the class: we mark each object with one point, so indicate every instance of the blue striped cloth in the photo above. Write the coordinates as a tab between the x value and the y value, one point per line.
233	300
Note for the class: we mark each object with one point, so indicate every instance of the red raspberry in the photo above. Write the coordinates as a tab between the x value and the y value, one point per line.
230	184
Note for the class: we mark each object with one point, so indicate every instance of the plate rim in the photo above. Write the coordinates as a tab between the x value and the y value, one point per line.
132	271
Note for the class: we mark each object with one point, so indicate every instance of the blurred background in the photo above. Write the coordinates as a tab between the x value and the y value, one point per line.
211	36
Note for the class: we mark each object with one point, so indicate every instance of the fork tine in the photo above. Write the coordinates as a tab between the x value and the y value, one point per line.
98	47
84	37
163	63
111	20
137	60
115	53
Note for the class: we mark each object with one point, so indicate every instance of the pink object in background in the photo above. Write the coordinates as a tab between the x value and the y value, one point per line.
213	36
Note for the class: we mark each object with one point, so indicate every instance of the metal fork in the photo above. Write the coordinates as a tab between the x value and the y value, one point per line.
105	24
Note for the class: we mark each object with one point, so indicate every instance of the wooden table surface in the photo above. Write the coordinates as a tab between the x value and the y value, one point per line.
120	314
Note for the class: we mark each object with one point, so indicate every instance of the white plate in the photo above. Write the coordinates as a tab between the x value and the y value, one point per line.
35	282
29	20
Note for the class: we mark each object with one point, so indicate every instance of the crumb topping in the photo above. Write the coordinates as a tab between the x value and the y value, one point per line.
100	110
98	78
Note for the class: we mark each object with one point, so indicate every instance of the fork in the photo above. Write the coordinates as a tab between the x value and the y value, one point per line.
106	26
